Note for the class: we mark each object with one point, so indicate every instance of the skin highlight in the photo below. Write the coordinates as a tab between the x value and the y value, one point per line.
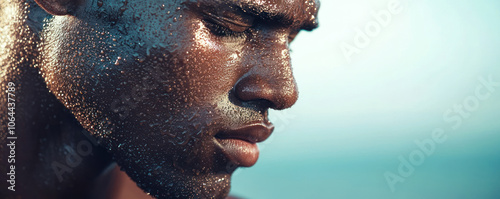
175	92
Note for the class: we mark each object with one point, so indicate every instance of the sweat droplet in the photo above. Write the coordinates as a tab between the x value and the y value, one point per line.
139	58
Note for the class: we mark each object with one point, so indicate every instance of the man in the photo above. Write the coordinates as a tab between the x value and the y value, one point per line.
176	92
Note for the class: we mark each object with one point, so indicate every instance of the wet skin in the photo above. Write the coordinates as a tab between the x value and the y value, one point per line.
177	91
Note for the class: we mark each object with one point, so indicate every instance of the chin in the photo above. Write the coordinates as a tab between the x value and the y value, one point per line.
172	183
196	170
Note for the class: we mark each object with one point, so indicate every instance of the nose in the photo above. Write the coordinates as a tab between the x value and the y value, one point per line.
269	77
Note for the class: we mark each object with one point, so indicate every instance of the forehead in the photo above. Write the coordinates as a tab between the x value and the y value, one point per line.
302	12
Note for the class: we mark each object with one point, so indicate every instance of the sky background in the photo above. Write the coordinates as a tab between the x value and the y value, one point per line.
359	114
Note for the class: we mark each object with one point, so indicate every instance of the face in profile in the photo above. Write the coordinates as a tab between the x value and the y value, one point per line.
178	91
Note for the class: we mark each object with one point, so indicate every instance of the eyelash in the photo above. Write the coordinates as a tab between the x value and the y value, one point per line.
222	31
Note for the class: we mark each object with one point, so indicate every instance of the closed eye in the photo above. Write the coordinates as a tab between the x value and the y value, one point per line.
222	31
225	27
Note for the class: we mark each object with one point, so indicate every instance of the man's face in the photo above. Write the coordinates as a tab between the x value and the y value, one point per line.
178	90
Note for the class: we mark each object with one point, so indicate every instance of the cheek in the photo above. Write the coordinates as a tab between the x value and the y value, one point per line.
108	79
70	58
84	67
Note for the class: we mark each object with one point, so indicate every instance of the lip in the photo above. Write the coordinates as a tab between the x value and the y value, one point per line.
240	144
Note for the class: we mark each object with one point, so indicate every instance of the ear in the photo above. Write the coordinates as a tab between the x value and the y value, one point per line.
58	7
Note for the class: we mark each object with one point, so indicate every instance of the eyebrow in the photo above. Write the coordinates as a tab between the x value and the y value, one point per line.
283	16
272	14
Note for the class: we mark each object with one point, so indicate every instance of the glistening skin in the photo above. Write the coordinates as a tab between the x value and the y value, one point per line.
211	69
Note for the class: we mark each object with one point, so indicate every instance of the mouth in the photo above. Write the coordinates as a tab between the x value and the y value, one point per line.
240	144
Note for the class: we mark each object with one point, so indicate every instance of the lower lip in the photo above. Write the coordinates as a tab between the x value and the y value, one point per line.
241	152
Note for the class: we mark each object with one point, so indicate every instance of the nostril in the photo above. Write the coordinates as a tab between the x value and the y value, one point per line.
254	95
260	105
255	90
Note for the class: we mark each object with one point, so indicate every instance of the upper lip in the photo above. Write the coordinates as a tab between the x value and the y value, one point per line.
252	133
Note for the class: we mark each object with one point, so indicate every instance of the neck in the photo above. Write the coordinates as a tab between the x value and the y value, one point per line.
53	156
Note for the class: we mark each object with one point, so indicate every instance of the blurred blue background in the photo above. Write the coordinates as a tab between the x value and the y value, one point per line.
359	113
